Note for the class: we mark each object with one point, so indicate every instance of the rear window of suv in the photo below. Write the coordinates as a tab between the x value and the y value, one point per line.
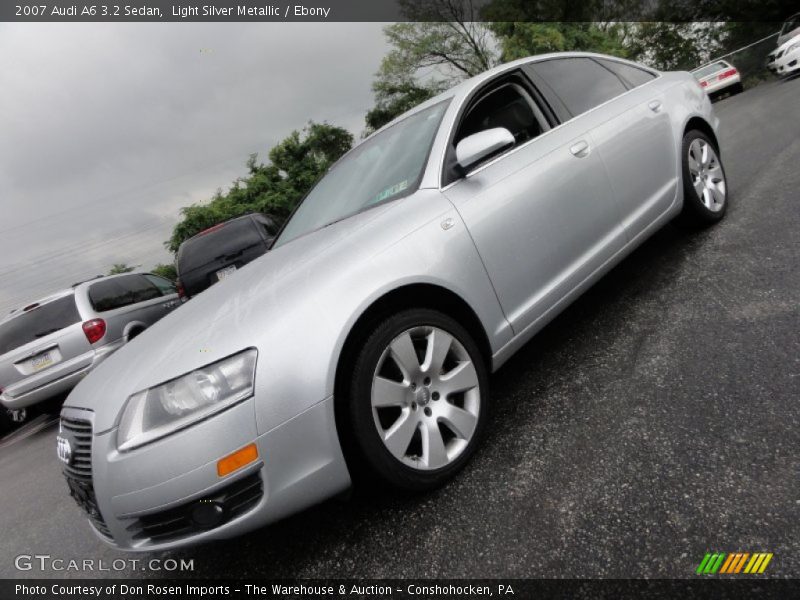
708	70
205	248
121	291
38	322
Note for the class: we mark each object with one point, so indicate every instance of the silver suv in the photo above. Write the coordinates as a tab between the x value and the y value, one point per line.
50	345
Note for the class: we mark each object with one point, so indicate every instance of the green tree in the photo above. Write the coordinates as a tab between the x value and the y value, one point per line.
167	271
295	164
521	39
674	46
118	268
443	45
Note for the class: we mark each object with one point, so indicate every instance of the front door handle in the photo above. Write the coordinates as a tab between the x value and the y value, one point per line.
580	149
655	105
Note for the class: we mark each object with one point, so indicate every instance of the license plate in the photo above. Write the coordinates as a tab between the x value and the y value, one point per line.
226	272
40	362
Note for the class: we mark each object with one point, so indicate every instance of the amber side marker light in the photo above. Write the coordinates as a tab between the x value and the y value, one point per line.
237	460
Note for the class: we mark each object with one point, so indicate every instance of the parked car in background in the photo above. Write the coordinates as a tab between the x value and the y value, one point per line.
48	346
362	343
718	78
783	61
217	252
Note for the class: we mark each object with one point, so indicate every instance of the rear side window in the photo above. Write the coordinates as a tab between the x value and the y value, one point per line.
121	291
165	286
218	244
580	83
634	76
38	322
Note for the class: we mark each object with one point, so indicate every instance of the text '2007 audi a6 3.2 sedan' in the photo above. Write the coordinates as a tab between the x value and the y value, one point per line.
362	342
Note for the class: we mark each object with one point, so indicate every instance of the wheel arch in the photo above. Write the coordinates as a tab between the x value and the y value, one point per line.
133	329
700	124
415	295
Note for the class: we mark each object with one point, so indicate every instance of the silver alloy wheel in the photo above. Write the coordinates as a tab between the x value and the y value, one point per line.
425	398
708	178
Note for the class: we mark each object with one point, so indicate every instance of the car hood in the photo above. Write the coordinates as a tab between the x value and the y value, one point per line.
213	324
783	46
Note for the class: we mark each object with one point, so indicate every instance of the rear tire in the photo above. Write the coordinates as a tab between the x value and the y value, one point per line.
705	188
418	401
737	89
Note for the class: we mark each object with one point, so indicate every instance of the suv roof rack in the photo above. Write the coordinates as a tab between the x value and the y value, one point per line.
74	285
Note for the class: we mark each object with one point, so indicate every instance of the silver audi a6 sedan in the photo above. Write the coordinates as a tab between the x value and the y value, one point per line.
362	342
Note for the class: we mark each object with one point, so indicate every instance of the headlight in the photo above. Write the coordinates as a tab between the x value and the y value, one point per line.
158	411
792	47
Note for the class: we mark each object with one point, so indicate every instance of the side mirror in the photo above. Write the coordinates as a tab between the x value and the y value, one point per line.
478	146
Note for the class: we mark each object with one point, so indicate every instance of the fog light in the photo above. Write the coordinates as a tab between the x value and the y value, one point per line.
237	460
207	514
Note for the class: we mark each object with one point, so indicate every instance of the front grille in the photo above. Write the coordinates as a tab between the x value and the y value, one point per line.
174	523
79	470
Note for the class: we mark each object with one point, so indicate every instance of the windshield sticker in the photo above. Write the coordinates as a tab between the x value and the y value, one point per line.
391	191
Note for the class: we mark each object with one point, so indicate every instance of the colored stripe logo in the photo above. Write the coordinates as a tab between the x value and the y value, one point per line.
734	563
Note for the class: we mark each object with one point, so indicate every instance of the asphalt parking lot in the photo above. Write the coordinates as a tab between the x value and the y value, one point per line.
655	420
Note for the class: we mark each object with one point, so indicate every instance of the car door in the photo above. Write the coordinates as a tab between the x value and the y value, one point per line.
631	130
542	215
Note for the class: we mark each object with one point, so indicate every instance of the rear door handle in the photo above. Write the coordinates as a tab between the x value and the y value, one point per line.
580	149
655	105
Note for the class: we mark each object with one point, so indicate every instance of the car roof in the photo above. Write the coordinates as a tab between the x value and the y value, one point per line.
249	215
465	88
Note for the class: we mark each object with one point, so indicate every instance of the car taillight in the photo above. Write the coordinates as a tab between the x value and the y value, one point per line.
703	84
729	73
181	289
94	329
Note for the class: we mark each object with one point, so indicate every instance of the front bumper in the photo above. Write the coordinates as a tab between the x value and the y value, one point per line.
788	63
299	464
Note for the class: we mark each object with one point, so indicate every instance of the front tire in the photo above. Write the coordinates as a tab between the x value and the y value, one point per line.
418	401
705	187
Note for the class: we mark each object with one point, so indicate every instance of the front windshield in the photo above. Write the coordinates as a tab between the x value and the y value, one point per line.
384	167
791	24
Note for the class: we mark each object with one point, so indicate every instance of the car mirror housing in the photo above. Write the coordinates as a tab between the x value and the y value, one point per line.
479	146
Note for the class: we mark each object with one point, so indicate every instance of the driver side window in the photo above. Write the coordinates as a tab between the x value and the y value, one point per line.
507	104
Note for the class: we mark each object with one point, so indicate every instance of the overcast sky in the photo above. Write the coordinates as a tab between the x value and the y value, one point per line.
106	130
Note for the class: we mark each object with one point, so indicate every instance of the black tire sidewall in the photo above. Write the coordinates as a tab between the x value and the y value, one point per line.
6	423
379	462
694	212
